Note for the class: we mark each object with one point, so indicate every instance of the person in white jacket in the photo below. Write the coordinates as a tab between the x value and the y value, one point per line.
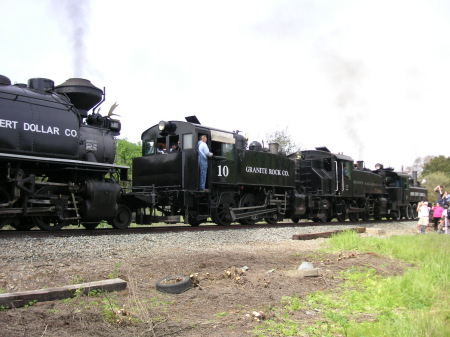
424	216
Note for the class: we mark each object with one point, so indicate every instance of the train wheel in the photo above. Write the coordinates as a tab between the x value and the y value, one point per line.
295	220
341	212
365	215
22	223
4	222
122	219
221	214
4	202
341	216
50	223
273	220
415	214
397	215
409	212
248	200
354	217
192	221
324	216
90	225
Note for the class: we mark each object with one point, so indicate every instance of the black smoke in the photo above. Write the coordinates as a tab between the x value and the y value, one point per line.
74	17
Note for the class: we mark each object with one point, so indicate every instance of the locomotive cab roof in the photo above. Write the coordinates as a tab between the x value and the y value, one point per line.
323	152
165	128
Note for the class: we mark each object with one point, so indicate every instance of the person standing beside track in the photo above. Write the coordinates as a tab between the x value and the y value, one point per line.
437	215
424	216
439	193
203	154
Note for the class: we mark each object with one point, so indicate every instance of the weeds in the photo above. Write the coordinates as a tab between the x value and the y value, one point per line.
115	273
30	304
367	304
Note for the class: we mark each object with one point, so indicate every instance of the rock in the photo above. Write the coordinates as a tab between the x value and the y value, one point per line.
306	266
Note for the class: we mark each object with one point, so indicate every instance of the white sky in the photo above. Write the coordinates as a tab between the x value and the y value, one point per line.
367	78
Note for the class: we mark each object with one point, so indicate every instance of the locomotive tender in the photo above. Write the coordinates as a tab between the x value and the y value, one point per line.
256	184
57	161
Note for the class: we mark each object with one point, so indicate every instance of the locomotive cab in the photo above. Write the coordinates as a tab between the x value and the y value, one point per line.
170	154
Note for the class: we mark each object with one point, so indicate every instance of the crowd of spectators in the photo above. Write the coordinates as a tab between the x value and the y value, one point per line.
439	213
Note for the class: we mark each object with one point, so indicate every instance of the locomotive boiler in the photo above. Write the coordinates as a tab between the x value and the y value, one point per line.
57	160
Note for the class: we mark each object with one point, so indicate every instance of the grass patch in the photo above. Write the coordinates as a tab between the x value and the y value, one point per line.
368	304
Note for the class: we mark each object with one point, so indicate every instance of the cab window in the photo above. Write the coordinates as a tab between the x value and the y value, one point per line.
223	149
149	147
161	146
348	166
187	142
174	144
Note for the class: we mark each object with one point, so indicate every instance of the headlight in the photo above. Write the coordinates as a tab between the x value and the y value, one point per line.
164	126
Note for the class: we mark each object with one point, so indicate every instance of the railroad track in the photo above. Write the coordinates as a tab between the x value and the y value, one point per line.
167	229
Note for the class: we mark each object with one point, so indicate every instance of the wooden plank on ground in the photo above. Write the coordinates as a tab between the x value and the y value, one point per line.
312	236
20	299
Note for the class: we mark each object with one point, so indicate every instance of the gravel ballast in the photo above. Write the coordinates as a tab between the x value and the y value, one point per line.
119	246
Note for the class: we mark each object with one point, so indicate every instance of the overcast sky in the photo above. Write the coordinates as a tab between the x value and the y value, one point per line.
370	79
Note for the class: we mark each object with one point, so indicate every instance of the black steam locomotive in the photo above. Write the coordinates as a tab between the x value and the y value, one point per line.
257	184
57	169
243	185
57	161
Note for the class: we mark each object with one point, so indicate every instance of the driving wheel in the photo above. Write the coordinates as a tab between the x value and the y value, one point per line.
248	200
122	219
51	222
221	214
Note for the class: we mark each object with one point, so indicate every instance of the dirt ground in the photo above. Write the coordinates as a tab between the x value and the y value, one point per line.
223	304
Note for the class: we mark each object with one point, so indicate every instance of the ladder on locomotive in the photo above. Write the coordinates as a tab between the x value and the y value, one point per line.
303	174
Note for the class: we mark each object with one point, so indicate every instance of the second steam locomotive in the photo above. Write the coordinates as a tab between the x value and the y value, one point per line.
57	169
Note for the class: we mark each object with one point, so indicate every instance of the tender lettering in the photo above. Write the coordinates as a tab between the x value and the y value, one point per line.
265	170
261	170
70	133
7	124
41	128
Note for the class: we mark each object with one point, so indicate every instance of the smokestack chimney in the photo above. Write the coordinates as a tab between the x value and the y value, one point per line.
414	175
273	148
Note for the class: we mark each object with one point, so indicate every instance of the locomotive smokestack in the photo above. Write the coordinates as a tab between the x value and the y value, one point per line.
82	93
273	148
414	175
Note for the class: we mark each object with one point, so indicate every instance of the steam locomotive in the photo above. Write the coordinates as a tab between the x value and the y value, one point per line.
251	184
57	169
56	160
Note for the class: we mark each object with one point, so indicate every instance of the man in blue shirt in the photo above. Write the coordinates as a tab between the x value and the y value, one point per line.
203	154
